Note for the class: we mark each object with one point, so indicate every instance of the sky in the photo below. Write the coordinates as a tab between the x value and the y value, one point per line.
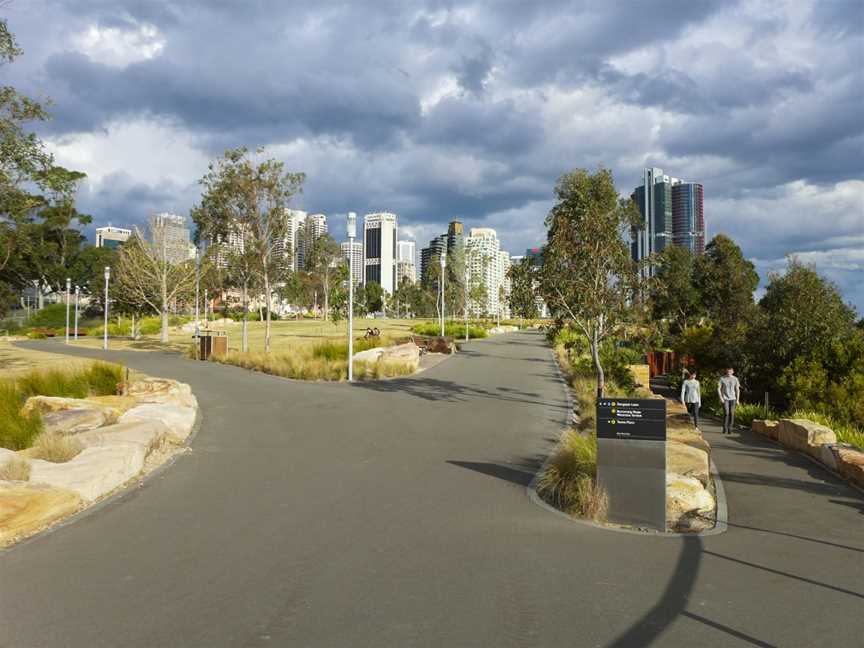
444	110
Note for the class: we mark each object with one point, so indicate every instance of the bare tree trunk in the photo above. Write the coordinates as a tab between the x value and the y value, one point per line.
164	336
244	343
326	294
269	299
595	356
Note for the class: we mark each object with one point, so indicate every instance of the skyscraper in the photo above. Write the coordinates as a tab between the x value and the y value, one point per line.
405	262
430	255
688	217
455	234
671	212
112	237
487	264
353	255
293	246
171	235
379	249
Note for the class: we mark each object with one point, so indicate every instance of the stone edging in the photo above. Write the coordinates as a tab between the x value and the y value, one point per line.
721	510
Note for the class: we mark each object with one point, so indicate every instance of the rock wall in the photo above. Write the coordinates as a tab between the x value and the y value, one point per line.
118	435
817	441
690	503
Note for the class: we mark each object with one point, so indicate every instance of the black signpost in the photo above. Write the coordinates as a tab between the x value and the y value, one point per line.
631	459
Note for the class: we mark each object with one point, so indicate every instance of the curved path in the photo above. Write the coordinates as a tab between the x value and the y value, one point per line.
396	514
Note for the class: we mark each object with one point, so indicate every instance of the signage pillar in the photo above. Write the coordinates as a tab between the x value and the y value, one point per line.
631	459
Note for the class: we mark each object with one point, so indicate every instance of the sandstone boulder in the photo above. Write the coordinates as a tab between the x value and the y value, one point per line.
766	428
686	498
850	464
143	432
688	436
46	405
804	435
94	472
369	355
161	390
72	421
686	460
177	420
25	509
408	353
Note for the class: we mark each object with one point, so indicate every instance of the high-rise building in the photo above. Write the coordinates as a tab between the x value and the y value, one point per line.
353	255
171	235
112	237
379	249
672	212
455	235
405	262
488	264
430	255
688	217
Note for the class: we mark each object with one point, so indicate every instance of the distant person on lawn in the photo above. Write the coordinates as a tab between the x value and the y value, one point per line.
691	396
729	390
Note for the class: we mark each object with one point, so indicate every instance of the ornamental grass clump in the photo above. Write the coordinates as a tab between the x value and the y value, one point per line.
15	469
17	430
569	480
55	448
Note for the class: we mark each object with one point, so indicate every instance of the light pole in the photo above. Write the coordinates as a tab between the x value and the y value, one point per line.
77	289
197	299
68	286
466	300
443	266
352	233
105	327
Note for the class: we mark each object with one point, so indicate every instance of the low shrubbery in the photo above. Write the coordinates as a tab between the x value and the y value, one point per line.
451	329
19	431
307	367
569	481
337	350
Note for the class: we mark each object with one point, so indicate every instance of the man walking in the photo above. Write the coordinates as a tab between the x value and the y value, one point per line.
691	396
729	390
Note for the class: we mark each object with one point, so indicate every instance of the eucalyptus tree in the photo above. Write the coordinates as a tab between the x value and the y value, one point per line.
588	278
241	193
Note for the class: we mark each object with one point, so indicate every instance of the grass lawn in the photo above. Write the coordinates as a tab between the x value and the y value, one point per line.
16	362
286	335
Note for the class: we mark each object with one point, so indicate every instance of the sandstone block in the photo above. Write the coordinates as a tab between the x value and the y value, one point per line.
142	432
408	353
688	436
804	435
161	390
686	497
47	405
94	472
766	428
25	509
369	355
850	464
72	421
177	419
686	460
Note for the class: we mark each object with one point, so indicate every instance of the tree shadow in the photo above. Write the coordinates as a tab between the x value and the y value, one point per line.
520	475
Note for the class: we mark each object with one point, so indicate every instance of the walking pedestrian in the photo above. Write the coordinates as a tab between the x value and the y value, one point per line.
729	390
691	396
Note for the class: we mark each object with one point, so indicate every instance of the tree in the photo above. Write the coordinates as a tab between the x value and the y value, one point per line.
374	297
253	198
145	275
588	277
674	297
323	260
339	294
523	298
726	281
360	300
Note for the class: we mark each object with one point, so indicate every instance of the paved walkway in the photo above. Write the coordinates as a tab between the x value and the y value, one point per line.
395	514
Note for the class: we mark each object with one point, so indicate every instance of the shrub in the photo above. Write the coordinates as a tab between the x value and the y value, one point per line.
333	350
17	431
569	481
55	448
149	326
36	335
745	413
102	378
16	469
54	382
52	316
10	325
451	329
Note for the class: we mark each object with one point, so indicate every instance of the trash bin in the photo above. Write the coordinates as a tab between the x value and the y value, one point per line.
212	342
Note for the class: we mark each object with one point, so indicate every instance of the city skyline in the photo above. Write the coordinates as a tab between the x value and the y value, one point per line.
482	127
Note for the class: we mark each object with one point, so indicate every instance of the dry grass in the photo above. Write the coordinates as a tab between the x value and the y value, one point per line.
55	448
16	469
569	481
304	366
15	361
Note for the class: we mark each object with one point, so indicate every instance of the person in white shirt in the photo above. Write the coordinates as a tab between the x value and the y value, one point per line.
729	391
691	396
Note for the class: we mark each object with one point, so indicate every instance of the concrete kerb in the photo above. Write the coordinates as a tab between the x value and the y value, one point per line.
121	492
722	512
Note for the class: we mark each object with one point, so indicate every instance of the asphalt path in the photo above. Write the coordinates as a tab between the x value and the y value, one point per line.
396	513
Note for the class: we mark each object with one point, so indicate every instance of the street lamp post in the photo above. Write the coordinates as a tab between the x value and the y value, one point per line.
77	289
352	233
68	286
105	327
443	266
197	299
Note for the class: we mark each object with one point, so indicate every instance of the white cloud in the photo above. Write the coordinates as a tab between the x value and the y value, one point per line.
119	47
